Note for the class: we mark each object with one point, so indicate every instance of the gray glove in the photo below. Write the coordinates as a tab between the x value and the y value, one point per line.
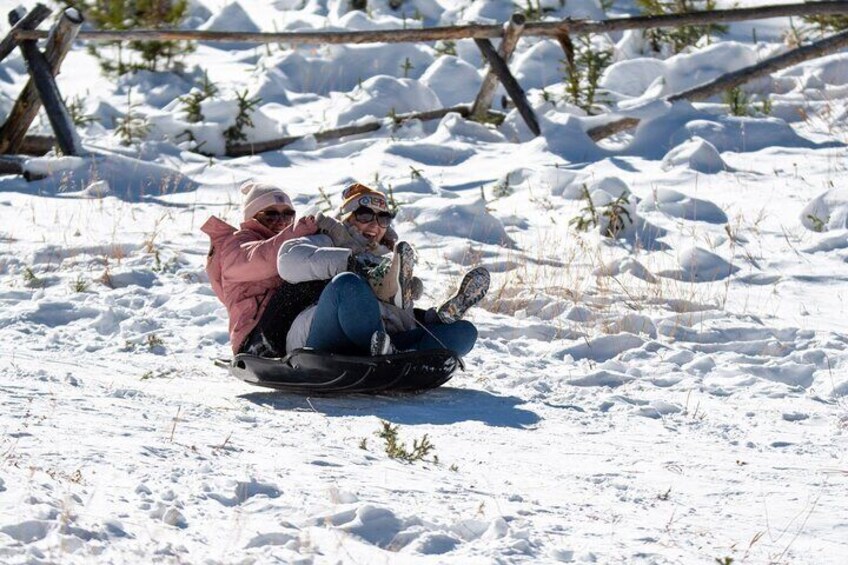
372	267
417	288
341	234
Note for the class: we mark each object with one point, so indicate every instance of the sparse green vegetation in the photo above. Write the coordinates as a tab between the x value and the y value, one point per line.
584	65
79	284
246	107
131	127
32	280
740	103
324	202
588	216
192	101
394	204
446	47
76	109
153	341
680	37
397	450
502	188
819	224
826	24
407	66
121	15
617	215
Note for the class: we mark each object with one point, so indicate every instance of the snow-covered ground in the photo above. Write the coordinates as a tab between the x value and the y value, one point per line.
677	395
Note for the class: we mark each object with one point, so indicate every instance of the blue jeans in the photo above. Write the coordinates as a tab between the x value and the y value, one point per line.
459	337
346	317
348	314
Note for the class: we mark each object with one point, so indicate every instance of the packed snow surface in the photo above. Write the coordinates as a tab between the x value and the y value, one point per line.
677	393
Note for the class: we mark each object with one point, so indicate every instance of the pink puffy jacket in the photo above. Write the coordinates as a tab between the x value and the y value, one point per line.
242	268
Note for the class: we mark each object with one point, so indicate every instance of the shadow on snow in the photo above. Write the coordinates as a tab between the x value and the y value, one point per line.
438	407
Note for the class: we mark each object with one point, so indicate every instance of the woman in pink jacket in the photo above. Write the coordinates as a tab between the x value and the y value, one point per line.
242	265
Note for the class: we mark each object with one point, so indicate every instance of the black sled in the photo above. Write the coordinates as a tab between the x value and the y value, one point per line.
310	371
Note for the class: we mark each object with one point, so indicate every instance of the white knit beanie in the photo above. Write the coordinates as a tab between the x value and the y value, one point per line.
258	196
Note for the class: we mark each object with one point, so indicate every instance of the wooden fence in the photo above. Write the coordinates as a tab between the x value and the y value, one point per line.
44	65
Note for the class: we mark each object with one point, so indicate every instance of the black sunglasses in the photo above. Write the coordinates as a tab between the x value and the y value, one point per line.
365	215
276	215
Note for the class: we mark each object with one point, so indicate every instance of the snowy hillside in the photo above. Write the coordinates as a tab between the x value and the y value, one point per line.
676	394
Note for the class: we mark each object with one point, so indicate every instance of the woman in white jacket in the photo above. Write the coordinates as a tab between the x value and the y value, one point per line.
348	317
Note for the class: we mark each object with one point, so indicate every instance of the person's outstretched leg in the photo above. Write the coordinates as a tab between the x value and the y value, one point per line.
347	316
459	337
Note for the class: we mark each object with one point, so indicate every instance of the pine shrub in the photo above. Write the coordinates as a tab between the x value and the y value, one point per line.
124	15
246	107
680	37
584	65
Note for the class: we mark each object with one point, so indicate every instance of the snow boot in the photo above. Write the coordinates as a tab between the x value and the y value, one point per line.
472	289
381	344
395	286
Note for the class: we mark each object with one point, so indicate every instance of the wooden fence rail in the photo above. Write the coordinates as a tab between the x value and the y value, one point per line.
472	31
43	66
736	78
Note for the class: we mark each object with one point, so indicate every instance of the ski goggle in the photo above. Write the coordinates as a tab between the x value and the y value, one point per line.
276	215
365	215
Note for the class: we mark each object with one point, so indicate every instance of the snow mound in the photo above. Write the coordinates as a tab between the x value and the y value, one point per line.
604	347
623	265
489	11
340	68
562	134
157	88
453	80
678	73
827	211
829	70
428	153
678	205
128	178
419	185
470	221
382	95
633	77
272	86
700	265
454	127
499	11
231	18
740	134
654	138
614	187
97	189
697	154
197	15
539	66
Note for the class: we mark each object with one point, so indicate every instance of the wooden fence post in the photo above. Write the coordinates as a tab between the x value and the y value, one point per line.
28	103
481	105
30	21
511	85
57	113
